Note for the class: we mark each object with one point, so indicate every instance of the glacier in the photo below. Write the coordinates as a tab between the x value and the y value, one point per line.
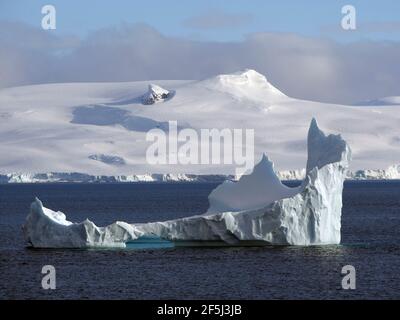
77	177
390	173
256	210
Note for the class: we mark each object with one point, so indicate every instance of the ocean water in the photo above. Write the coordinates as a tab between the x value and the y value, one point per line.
370	242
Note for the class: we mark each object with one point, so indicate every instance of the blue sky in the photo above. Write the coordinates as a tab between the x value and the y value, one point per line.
378	20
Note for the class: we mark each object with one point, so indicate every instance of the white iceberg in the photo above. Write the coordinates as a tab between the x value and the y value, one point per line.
258	209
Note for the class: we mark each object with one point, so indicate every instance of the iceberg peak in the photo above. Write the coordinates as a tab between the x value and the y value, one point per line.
258	189
322	149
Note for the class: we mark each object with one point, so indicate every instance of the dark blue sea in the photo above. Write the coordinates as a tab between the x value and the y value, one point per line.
370	242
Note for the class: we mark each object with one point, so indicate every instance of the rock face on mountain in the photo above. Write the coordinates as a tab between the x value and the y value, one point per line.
154	94
257	209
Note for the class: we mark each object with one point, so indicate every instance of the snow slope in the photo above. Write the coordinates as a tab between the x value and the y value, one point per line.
100	128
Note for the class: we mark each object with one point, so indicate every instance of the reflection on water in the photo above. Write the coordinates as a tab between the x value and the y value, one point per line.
149	242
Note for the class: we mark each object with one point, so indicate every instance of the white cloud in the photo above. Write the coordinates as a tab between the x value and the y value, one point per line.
308	68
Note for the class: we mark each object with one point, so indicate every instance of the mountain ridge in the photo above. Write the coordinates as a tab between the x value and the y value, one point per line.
38	132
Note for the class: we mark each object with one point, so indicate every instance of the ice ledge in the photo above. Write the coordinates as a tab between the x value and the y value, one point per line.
255	209
391	173
77	177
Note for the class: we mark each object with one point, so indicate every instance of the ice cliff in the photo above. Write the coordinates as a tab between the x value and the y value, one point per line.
391	173
257	209
76	177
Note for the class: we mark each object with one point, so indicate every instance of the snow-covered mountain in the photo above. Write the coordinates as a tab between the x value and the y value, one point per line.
99	129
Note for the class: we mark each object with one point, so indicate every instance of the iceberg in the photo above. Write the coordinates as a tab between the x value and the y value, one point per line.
256	210
252	191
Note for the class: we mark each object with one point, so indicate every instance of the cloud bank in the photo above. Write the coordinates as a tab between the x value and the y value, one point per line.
302	67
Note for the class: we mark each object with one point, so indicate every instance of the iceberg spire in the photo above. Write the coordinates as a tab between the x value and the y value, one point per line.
322	149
